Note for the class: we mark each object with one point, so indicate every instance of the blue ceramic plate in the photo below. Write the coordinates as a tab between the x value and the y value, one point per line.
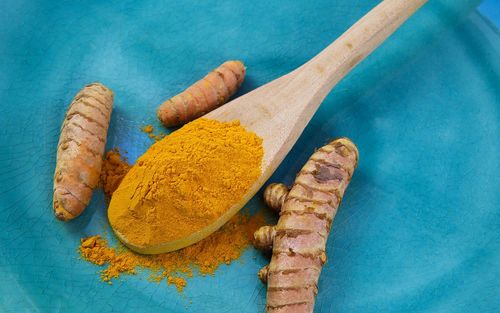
419	226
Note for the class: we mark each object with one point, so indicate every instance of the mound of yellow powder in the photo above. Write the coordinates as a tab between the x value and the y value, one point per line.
185	181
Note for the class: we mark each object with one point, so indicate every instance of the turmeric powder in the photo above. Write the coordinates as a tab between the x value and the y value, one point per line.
114	168
184	182
222	247
149	130
179	282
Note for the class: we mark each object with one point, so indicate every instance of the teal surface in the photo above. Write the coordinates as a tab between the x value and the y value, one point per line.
419	229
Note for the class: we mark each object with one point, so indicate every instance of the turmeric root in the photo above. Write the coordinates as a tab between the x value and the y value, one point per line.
203	96
275	195
300	237
80	150
263	274
263	237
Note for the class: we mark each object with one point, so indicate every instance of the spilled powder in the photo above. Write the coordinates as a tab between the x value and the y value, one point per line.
149	130
222	247
114	168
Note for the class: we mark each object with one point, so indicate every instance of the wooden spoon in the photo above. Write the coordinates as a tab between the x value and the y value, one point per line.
279	111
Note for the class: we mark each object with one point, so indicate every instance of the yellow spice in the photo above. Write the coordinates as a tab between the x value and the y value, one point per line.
222	247
186	181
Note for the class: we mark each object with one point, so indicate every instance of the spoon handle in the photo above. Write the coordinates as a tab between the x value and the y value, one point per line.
327	68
